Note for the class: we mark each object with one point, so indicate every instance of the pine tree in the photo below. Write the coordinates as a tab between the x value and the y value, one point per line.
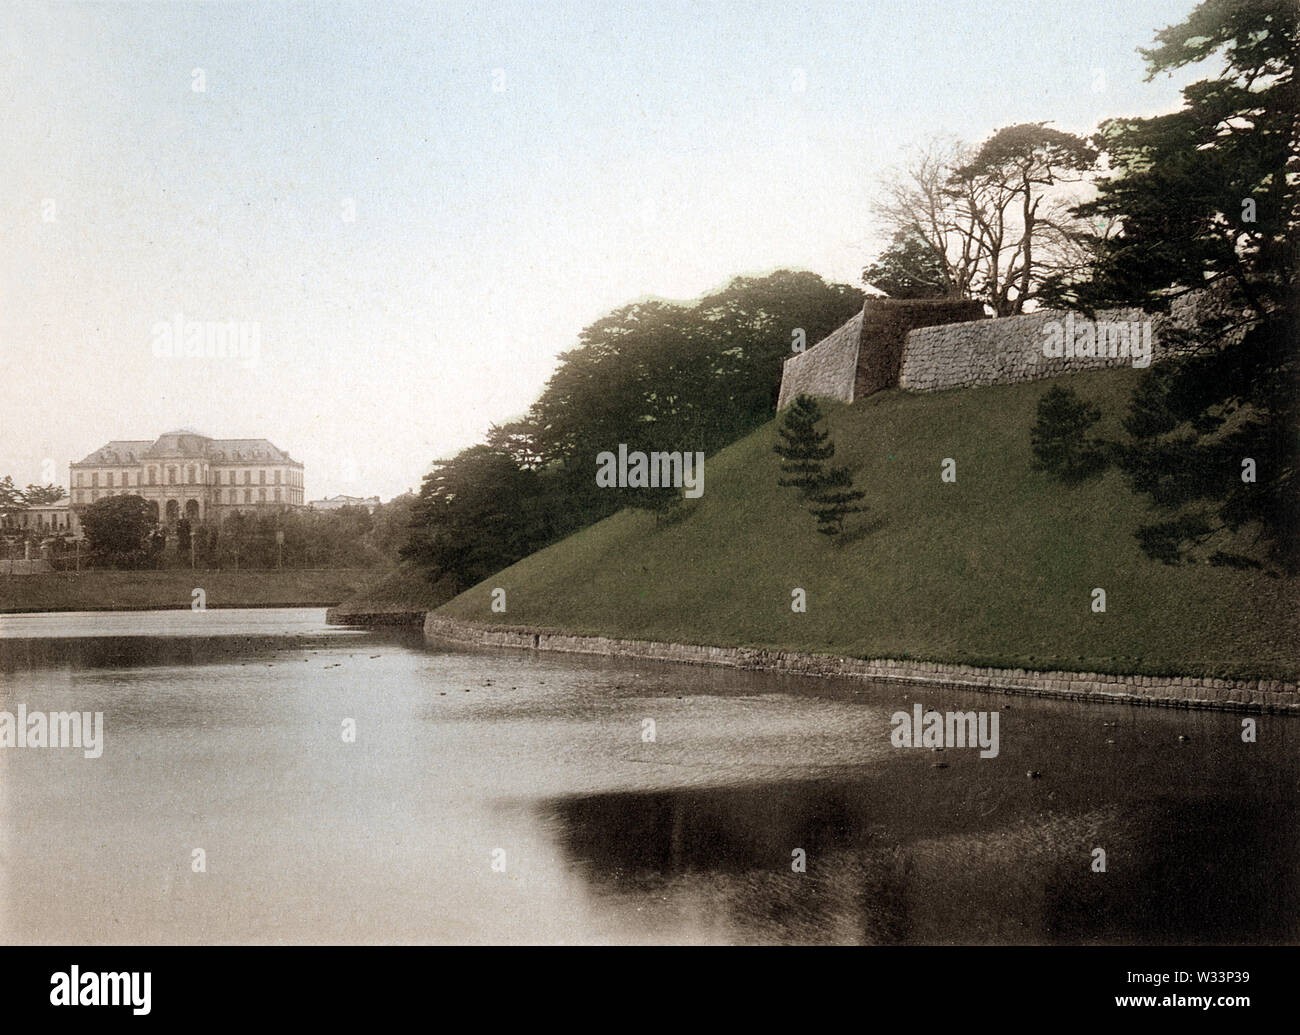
803	447
1207	196
830	495
1060	439
833	500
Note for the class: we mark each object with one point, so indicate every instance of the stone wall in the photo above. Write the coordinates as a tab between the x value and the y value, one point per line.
885	326
864	355
1259	695
931	344
1010	349
826	370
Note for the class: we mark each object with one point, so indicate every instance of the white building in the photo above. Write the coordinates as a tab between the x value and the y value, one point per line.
334	502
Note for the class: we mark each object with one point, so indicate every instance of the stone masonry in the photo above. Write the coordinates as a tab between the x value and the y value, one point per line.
828	369
1009	350
929	345
865	354
1251	695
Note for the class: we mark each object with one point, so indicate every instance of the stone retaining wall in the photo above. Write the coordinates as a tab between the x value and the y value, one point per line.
864	354
1162	691
345	616
928	345
1009	350
887	325
827	370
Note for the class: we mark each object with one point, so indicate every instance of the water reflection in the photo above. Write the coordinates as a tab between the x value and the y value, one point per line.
880	871
226	736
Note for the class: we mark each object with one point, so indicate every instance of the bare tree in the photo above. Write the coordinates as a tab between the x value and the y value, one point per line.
1010	189
996	219
917	200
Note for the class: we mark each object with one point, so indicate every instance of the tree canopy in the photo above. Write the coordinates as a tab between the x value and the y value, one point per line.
1207	197
655	376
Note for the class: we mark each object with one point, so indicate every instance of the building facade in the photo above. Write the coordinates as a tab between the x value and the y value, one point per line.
187	474
48	518
335	502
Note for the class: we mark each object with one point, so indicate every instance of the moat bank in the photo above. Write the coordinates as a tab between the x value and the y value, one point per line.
400	597
176	588
1260	695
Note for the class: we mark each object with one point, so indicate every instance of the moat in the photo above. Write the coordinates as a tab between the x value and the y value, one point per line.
345	785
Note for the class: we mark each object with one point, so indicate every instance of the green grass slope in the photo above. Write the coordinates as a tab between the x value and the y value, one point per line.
403	590
997	568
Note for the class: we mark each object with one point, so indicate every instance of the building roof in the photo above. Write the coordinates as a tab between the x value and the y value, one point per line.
186	443
119	451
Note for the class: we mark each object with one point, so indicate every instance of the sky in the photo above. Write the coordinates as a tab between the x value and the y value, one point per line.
411	210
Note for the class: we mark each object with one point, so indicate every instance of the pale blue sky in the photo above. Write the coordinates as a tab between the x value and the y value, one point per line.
635	149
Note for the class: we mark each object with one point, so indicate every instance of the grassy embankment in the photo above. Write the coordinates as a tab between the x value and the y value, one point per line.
148	590
997	569
404	594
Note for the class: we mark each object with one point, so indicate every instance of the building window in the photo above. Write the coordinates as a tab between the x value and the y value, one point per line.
153	476
94	479
248	477
277	495
278	472
108	479
261	495
261	477
248	495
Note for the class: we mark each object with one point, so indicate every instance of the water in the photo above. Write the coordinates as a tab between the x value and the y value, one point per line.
224	732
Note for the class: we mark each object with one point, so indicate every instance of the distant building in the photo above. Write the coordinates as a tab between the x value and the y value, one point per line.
334	502
51	518
187	474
